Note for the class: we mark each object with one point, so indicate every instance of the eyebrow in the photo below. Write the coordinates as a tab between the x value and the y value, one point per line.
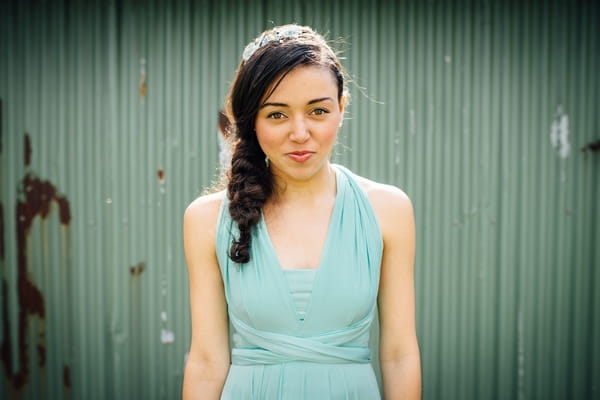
313	101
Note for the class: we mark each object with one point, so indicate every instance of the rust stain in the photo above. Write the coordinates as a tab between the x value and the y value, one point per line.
143	82
143	87
35	199
1	126
594	146
67	376
136	270
27	150
5	350
2	248
161	175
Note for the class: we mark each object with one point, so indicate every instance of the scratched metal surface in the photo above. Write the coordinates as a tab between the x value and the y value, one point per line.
486	113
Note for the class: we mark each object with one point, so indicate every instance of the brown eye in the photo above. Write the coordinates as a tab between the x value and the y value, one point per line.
275	115
320	111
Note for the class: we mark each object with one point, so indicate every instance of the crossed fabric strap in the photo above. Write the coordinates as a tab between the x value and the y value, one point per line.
275	348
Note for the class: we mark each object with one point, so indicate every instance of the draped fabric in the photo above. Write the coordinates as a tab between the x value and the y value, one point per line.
270	339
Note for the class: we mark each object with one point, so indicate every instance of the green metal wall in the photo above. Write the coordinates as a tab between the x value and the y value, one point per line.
480	110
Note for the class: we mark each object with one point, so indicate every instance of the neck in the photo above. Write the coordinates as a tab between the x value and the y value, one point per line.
322	184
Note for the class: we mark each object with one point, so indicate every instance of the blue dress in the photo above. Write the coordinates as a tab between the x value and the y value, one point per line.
304	334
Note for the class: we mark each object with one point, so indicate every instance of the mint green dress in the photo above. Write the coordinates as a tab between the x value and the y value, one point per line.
304	334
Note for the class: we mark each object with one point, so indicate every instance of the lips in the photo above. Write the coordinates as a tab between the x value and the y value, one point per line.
300	156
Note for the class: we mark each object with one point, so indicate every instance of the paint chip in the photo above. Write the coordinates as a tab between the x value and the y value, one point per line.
167	337
559	133
143	87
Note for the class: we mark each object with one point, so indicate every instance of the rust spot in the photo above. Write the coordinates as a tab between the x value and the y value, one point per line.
2	248
161	175
35	199
64	210
5	350
1	125
143	83
143	87
67	376
27	150
136	270
594	146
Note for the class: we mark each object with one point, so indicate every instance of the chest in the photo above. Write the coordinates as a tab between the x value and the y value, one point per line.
299	236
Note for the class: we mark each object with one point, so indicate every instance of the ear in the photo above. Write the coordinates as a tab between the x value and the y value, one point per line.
342	105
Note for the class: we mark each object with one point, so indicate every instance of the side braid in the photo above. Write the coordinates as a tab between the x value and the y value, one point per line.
250	185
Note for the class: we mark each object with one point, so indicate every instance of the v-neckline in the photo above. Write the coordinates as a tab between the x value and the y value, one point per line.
322	266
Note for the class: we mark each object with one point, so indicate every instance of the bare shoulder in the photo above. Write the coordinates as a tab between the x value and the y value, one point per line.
204	208
200	217
393	209
386	199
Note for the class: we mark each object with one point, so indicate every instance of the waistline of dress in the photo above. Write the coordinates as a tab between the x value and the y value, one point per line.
257	356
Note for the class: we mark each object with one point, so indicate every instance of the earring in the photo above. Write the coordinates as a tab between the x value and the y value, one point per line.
267	161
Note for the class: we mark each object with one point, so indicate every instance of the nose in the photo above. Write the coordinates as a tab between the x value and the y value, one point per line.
299	132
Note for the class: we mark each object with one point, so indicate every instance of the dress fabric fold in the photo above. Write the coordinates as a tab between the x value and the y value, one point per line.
322	352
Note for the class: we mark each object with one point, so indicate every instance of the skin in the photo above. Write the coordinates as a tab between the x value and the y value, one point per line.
303	114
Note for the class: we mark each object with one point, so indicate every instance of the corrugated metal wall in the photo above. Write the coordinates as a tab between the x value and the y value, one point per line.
478	109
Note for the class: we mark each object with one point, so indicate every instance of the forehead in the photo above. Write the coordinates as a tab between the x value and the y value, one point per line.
303	83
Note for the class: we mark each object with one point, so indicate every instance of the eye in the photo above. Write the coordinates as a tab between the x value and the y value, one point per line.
275	115
320	111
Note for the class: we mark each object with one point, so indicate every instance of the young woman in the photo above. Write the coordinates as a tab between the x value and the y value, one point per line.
297	252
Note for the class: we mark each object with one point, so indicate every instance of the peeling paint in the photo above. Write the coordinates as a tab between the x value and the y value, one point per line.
35	199
161	175
143	84
559	133
167	337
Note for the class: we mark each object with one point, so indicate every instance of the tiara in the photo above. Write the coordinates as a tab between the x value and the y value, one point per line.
286	32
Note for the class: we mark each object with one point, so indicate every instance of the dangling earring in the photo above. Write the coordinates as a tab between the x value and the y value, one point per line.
267	161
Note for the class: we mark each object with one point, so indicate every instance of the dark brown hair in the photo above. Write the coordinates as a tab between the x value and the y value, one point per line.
250	182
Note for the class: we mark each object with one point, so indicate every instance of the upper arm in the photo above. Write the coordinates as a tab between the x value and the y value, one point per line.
210	339
396	298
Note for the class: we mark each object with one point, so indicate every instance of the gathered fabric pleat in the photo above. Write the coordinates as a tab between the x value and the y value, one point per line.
328	347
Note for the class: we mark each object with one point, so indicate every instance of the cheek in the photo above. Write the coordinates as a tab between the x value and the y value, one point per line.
267	137
330	134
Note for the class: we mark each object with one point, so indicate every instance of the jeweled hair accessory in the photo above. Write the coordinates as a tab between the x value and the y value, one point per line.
286	32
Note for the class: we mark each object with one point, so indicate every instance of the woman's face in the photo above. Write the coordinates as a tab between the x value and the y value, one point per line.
297	124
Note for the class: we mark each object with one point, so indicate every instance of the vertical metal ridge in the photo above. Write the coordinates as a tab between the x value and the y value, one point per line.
467	106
